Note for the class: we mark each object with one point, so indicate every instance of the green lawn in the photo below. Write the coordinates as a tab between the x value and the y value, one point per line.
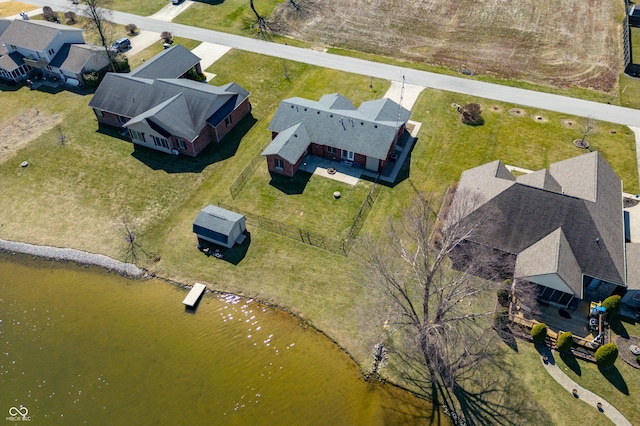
304	201
232	16
77	195
148	53
142	8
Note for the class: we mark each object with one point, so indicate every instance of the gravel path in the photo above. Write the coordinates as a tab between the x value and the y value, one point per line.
72	255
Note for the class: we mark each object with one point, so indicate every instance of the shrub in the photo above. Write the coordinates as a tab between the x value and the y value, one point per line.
49	15
612	303
121	63
606	355
638	359
70	17
501	318
470	114
503	296
91	79
565	342
166	37
539	332
132	29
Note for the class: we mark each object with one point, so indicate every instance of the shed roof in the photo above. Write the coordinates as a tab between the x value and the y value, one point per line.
218	219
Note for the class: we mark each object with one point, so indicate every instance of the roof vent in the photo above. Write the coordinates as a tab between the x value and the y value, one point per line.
305	109
362	123
317	112
375	125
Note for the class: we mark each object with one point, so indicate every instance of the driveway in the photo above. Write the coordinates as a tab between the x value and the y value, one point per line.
141	41
170	11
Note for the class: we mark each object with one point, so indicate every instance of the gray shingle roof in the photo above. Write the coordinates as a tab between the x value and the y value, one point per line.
73	57
217	219
593	225
11	61
289	144
540	179
140	98
4	24
170	63
346	129
33	35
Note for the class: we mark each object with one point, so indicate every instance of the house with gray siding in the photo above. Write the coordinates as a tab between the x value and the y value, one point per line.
56	50
562	228
160	109
333	128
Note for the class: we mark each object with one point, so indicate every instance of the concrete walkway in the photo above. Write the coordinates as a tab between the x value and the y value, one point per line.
587	396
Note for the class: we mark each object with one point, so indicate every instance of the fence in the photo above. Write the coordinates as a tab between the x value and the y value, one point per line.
244	176
308	237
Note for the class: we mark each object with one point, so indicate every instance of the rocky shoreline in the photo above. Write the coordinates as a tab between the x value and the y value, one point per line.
72	255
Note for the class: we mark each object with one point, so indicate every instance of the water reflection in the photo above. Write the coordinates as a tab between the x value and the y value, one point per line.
80	346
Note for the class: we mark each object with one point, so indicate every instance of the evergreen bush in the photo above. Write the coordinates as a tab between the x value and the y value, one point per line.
565	342
539	332
606	355
612	303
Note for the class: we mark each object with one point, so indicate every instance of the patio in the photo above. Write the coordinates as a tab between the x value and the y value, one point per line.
559	319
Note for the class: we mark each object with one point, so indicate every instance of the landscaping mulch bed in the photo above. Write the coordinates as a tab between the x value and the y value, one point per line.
623	349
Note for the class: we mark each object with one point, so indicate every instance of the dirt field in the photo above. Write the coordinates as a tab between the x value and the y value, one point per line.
557	42
25	128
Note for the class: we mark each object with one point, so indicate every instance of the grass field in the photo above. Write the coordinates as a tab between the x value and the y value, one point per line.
11	8
232	16
78	194
148	53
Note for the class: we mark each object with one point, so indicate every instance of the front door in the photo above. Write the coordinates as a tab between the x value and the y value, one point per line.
347	155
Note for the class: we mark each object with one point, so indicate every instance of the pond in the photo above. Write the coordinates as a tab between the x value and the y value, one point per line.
79	345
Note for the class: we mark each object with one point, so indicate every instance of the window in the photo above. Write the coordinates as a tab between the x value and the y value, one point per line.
121	119
278	163
139	136
160	141
182	144
227	121
51	51
331	150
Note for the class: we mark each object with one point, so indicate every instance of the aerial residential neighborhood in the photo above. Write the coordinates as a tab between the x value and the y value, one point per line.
453	204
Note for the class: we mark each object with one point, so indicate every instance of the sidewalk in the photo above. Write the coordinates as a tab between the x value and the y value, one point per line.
587	396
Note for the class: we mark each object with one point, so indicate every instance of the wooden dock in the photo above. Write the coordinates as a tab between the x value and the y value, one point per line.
194	295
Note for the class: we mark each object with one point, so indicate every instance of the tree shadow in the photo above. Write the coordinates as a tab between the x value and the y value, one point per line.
571	362
507	338
210	2
618	327
290	185
213	153
612	374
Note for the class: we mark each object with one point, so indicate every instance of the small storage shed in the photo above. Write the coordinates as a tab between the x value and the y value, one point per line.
220	226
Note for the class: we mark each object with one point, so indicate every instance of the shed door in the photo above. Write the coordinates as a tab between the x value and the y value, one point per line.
372	164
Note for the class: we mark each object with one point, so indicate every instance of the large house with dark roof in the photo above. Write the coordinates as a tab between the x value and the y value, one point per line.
56	50
334	129
562	228
162	110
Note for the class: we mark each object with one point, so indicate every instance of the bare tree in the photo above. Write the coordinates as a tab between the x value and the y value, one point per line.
49	15
442	341
589	126
470	114
262	22
98	14
132	29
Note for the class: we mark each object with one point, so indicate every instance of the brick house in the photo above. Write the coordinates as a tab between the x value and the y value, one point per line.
162	110
332	128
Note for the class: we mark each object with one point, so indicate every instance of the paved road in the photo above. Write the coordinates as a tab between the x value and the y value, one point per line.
528	98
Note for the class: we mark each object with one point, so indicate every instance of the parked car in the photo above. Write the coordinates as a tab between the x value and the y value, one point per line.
176	1
121	45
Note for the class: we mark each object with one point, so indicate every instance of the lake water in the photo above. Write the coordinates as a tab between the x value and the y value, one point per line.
81	346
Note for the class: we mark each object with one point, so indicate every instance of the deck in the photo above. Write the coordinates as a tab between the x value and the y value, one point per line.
194	295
